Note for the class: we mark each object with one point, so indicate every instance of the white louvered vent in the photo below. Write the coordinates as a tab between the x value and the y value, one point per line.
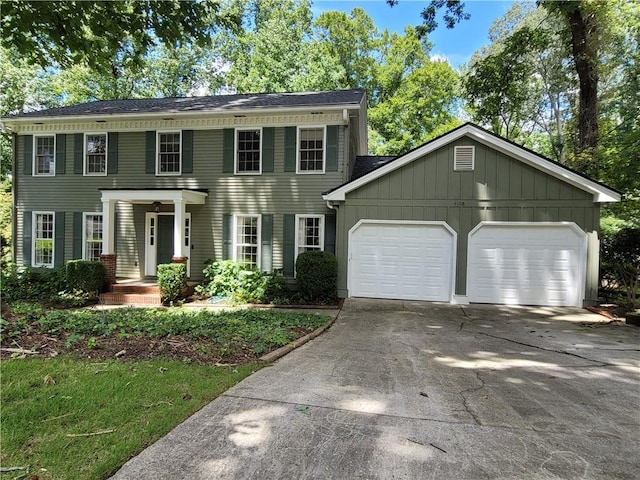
464	158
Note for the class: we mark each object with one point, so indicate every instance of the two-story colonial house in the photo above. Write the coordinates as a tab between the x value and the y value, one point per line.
467	217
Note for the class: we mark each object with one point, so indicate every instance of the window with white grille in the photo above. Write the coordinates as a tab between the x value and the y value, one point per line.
464	158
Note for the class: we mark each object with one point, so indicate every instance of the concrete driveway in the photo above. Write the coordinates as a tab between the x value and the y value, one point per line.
418	390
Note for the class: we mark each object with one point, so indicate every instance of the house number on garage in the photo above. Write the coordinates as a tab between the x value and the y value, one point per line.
458	203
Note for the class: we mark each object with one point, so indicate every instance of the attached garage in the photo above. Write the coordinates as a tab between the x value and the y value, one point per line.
527	264
403	260
469	217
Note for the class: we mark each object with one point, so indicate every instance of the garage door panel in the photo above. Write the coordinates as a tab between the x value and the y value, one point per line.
410	261
529	265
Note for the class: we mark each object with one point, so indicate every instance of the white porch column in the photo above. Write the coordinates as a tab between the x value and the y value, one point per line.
108	226
178	228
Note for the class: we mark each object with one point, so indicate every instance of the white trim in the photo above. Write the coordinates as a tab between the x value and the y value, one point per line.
459	300
34	225
297	230
34	147
150	196
600	193
583	252
84	232
167	174
454	247
235	150
85	154
151	251
234	237
324	150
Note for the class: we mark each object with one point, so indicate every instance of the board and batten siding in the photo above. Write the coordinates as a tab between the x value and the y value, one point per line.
498	189
277	193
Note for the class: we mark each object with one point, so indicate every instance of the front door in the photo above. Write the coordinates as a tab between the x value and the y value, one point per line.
159	240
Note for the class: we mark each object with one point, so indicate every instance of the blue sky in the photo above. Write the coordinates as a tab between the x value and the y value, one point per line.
456	45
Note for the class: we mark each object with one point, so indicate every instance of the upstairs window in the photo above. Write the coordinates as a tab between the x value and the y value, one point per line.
95	162
246	241
43	236
248	151
44	157
169	153
309	233
92	236
311	150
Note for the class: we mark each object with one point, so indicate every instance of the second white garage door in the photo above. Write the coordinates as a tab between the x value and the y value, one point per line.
527	264
401	260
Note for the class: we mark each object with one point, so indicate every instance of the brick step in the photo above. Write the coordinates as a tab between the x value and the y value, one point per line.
120	298
140	289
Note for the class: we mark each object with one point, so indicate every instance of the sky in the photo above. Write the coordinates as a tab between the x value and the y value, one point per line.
456	45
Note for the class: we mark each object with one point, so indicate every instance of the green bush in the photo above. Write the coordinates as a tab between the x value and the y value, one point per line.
172	280
620	250
31	284
230	279
317	275
86	275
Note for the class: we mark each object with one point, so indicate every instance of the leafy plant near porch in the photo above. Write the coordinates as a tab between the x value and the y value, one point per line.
172	280
317	275
85	275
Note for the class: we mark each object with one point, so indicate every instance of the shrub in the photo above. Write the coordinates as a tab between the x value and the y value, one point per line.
32	283
621	260
317	275
172	280
86	275
227	278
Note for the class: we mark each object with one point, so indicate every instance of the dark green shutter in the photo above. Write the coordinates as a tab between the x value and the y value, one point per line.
78	153
58	254
61	151
227	232
289	245
290	156
112	153
268	141
27	157
187	151
332	148
150	152
330	233
228	137
77	235
27	232
266	251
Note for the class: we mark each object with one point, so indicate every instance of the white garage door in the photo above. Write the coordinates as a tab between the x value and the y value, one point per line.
403	260
527	264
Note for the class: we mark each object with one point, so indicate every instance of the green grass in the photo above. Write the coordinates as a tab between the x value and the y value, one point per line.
140	401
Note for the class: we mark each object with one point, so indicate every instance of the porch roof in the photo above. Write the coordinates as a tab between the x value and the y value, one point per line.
150	195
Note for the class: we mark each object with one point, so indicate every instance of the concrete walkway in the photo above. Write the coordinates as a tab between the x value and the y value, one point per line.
417	390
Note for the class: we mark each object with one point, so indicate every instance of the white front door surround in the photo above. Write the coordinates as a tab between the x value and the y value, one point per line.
152	234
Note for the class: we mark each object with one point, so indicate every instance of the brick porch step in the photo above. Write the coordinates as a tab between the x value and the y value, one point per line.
132	288
125	298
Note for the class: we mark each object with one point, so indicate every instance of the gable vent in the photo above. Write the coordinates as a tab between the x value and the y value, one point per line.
463	158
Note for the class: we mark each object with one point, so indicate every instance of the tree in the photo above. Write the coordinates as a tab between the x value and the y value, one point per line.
454	13
93	32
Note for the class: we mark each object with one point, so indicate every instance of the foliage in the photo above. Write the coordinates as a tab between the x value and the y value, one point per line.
172	280
85	275
94	33
454	13
140	401
32	283
317	275
621	257
227	278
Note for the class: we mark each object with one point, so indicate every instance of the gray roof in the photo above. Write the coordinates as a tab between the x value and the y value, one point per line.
216	103
368	163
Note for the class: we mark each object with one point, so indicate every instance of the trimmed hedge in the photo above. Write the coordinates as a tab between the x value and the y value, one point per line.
317	275
86	275
172	280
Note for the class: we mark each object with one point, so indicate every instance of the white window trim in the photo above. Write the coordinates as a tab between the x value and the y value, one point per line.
84	231
34	227
86	153
235	237
167	174
235	150
34	166
324	150
297	231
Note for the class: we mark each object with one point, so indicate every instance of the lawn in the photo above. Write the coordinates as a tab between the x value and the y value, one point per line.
79	407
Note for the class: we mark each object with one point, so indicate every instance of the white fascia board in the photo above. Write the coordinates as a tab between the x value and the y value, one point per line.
600	193
8	121
162	195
